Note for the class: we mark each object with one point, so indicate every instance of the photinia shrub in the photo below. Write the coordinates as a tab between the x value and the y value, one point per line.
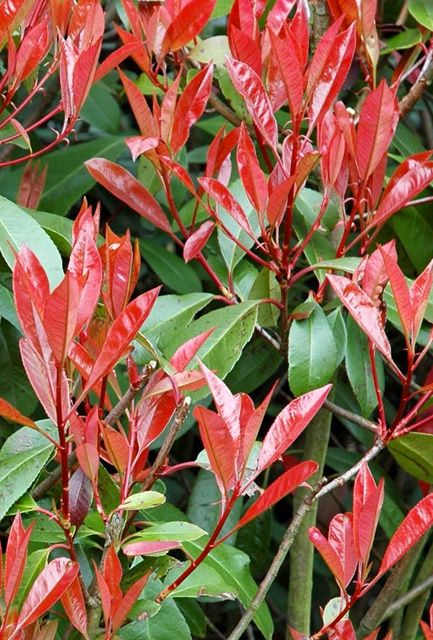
239	379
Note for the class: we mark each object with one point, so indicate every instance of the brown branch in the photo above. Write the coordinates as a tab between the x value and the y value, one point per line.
424	79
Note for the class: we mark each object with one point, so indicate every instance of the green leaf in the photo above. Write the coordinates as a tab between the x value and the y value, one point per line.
17	229
266	286
259	361
142	500
101	109
338	328
25	438
422	11
170	268
68	179
36	561
359	369
180	531
204	505
415	234
222	8
312	349
213	49
194	616
406	141
204	581
23	505
339	264
14	384
414	453
7	307
404	40
168	622
18	472
233	566
234	326
58	228
172	313
307	208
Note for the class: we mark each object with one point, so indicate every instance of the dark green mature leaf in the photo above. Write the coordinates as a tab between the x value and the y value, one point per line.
7	307
404	40
194	616
415	234
17	229
233	326
307	207
259	361
422	11
170	268
14	384
359	369
67	178
101	109
312	349
414	453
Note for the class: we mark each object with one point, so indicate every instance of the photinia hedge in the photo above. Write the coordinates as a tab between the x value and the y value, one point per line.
216	415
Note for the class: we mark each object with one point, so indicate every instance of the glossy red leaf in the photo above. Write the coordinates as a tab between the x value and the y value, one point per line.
32	185
227	404
328	554
88	459
367	504
84	72
219	150
363	311
410	178
251	174
419	297
400	291
119	55
341	539
120	335
375	276
16	557
224	198
377	122
48	587
130	597
10	413
86	267
80	497
279	489
105	595
289	424
190	106
148	547
140	145
328	70
187	24
427	631
168	108
124	186
286	60
113	573
416	523
278	14
186	352
220	447
141	110
278	200
60	316
32	49
250	87
121	271
251	422
197	240
243	47
11	13
117	448
75	608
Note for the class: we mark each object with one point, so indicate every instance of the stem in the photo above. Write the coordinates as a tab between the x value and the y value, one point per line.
302	553
290	535
381	408
416	598
423	81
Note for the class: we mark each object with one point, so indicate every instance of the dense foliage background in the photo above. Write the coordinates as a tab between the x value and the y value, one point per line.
156	115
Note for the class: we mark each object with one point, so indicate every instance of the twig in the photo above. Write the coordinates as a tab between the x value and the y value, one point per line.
352	417
408	597
290	535
416	91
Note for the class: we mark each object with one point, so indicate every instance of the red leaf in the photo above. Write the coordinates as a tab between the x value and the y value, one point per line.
16	557
377	122
148	547
124	186
340	536
419	297
197	240
140	145
121	272
128	600
32	185
104	593
10	413
117	448
278	14
410	178
250	425
367	504
187	24
289	424
328	554
112	572
80	497
119	55
286	60
224	198
181	174
416	523
186	352
84	72
400	291
190	107
243	47
120	335
220	447
363	311
60	317
428	633
250	86
75	607
32	49
328	70
48	587
251	174
375	275
277	490
88	459
138	103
